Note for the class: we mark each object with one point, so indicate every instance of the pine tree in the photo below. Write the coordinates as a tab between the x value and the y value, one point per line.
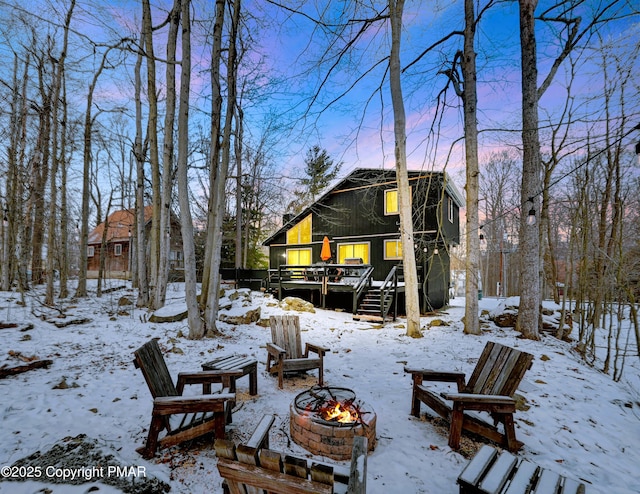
320	170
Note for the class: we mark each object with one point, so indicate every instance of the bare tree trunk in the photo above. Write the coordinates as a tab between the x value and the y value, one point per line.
214	153
40	174
404	191
64	212
238	155
143	284
211	309
81	290
55	160
530	276
152	136
470	100
196	327
104	252
167	162
14	188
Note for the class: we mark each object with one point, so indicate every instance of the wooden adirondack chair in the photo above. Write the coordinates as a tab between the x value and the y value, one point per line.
183	418
490	389
252	468
284	353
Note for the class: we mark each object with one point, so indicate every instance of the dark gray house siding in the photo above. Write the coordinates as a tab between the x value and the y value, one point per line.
353	212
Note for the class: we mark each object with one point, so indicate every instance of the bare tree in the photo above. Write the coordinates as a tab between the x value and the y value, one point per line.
167	162
470	103
404	191
59	70
196	327
212	301
530	268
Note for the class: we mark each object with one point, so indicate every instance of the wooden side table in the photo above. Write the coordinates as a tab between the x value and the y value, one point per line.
236	362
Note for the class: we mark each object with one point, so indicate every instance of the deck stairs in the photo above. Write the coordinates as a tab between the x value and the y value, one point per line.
373	307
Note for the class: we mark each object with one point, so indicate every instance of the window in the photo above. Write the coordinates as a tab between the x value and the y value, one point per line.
450	210
299	257
391	205
393	249
353	251
300	233
91	251
117	249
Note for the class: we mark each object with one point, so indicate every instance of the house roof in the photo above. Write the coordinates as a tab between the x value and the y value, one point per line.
450	187
121	224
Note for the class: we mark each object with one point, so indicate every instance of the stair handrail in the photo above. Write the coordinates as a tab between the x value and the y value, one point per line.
389	284
363	282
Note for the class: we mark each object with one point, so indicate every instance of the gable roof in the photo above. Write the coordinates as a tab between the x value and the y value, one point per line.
121	224
361	173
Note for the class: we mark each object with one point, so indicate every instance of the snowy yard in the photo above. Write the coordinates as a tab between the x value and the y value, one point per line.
579	422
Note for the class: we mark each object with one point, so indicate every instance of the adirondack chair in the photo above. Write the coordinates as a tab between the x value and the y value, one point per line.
490	389
284	353
183	418
252	468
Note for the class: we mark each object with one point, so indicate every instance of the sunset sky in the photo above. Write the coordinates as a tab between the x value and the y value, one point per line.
347	112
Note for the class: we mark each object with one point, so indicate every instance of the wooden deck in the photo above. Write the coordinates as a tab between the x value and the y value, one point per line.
352	280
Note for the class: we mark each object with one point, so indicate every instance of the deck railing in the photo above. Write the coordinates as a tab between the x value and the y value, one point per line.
388	291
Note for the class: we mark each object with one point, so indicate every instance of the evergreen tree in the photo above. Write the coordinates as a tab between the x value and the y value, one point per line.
320	170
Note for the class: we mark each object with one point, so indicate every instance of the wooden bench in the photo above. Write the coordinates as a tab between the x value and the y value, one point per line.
490	389
491	472
253	468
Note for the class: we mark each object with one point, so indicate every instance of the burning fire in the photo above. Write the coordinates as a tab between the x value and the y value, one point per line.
334	411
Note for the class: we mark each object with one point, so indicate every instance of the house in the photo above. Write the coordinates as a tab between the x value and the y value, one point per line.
120	230
360	218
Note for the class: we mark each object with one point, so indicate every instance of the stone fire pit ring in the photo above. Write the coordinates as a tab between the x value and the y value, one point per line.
328	438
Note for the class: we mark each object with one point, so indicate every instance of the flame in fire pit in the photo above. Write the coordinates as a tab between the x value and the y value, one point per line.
345	413
331	404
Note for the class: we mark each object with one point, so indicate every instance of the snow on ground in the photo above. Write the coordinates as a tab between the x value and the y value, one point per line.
580	423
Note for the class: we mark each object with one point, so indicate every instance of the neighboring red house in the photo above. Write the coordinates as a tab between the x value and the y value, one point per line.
120	229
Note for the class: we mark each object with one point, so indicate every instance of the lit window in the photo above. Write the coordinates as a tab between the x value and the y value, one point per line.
353	251
391	201
450	210
393	249
301	232
299	257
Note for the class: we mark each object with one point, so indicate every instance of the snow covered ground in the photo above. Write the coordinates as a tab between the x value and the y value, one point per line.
580	423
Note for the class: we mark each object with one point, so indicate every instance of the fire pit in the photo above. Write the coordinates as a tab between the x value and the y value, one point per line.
324	421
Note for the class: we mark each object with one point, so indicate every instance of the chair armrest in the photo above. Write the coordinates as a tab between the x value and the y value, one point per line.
420	375
260	437
168	405
472	401
206	377
275	350
320	350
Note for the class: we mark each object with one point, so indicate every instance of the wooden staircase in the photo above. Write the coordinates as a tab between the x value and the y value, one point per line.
375	307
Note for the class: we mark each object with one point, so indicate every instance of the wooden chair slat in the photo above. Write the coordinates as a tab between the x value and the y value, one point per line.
321	473
271	460
499	472
150	361
296	466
